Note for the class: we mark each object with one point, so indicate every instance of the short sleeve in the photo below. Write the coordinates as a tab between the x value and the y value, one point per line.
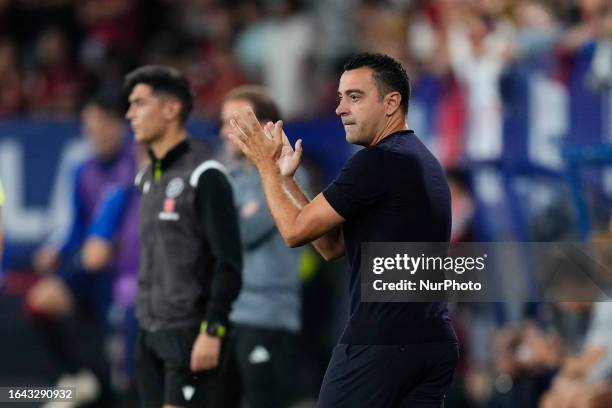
360	184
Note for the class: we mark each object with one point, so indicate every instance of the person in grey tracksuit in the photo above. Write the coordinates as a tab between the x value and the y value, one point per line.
266	316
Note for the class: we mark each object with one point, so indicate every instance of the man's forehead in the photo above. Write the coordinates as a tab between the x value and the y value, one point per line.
360	78
238	103
141	90
231	105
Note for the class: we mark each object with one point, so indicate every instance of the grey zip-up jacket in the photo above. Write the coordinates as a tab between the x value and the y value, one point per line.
271	288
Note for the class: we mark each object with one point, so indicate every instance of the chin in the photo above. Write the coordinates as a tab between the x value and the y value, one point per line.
353	139
140	138
349	137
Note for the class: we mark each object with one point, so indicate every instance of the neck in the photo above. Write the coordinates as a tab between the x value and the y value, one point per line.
172	137
395	123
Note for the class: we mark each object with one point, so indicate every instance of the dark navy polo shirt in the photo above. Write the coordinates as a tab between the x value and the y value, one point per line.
395	191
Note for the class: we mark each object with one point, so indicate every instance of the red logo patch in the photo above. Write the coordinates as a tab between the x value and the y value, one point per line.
169	205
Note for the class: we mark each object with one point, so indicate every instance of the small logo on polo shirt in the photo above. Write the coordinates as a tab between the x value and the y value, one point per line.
175	187
169	205
168	213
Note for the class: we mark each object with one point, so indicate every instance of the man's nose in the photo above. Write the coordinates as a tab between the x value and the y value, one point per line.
341	108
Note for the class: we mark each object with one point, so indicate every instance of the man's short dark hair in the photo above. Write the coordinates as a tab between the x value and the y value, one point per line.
388	74
263	104
111	102
163	80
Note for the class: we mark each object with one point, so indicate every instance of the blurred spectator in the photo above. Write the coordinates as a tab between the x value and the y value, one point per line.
32	17
336	26
479	43
112	36
113	242
584	379
537	28
54	84
250	39
108	24
201	46
284	44
593	23
382	29
263	350
274	43
69	287
213	72
201	20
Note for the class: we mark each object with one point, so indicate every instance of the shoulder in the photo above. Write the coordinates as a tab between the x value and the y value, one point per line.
199	150
368	158
208	168
369	153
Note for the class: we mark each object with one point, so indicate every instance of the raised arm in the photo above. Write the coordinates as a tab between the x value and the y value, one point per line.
298	220
331	244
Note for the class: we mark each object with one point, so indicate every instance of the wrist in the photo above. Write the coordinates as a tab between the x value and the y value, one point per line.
289	176
267	167
213	329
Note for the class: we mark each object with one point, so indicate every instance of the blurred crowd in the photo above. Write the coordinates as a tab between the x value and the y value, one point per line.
53	53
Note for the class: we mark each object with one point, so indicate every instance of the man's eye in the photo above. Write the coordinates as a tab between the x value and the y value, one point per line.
354	98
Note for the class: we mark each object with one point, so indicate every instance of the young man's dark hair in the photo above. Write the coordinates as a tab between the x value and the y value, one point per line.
388	74
263	105
109	101
163	80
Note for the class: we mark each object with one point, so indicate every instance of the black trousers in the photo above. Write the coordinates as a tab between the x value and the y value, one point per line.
260	368
394	376
163	370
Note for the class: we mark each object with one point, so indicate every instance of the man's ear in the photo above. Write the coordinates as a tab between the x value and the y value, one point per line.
392	102
171	108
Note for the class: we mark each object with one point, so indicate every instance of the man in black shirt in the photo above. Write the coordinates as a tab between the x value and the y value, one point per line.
190	256
393	190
